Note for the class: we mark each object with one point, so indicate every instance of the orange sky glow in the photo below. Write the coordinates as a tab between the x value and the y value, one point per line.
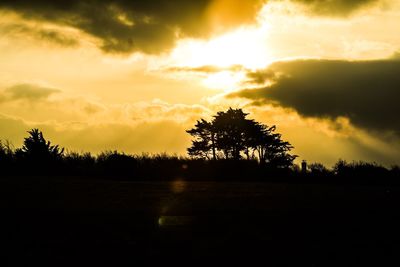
139	84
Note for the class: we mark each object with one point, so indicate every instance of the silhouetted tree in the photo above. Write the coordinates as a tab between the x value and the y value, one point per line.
359	169
204	145
232	132
236	136
319	169
7	155
36	148
255	141
6	149
276	151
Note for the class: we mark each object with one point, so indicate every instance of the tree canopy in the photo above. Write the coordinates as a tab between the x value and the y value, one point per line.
37	148
231	135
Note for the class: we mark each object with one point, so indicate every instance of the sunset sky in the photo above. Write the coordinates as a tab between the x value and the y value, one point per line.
134	75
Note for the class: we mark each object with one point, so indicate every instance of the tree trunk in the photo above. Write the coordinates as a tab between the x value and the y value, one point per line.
213	146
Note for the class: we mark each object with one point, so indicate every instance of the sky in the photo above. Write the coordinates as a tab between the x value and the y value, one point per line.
134	75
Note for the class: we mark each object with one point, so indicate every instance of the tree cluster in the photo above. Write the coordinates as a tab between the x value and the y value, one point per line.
234	137
37	149
231	135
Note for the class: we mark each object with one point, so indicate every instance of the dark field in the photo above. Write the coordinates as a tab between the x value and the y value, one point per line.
90	223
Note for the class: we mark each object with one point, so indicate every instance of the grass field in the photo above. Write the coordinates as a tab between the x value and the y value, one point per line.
63	222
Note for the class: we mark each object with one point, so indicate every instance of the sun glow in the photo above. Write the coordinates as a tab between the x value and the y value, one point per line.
246	46
226	80
234	53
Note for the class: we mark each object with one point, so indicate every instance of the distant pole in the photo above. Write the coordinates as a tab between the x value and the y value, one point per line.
304	166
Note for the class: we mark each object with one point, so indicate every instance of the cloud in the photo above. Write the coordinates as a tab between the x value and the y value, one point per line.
207	69
158	110
366	92
28	92
144	137
40	106
153	26
39	33
260	77
56	37
92	108
335	7
136	25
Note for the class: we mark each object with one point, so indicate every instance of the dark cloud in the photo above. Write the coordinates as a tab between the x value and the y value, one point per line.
126	25
260	77
152	26
335	7
29	92
367	92
48	35
122	25
56	37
